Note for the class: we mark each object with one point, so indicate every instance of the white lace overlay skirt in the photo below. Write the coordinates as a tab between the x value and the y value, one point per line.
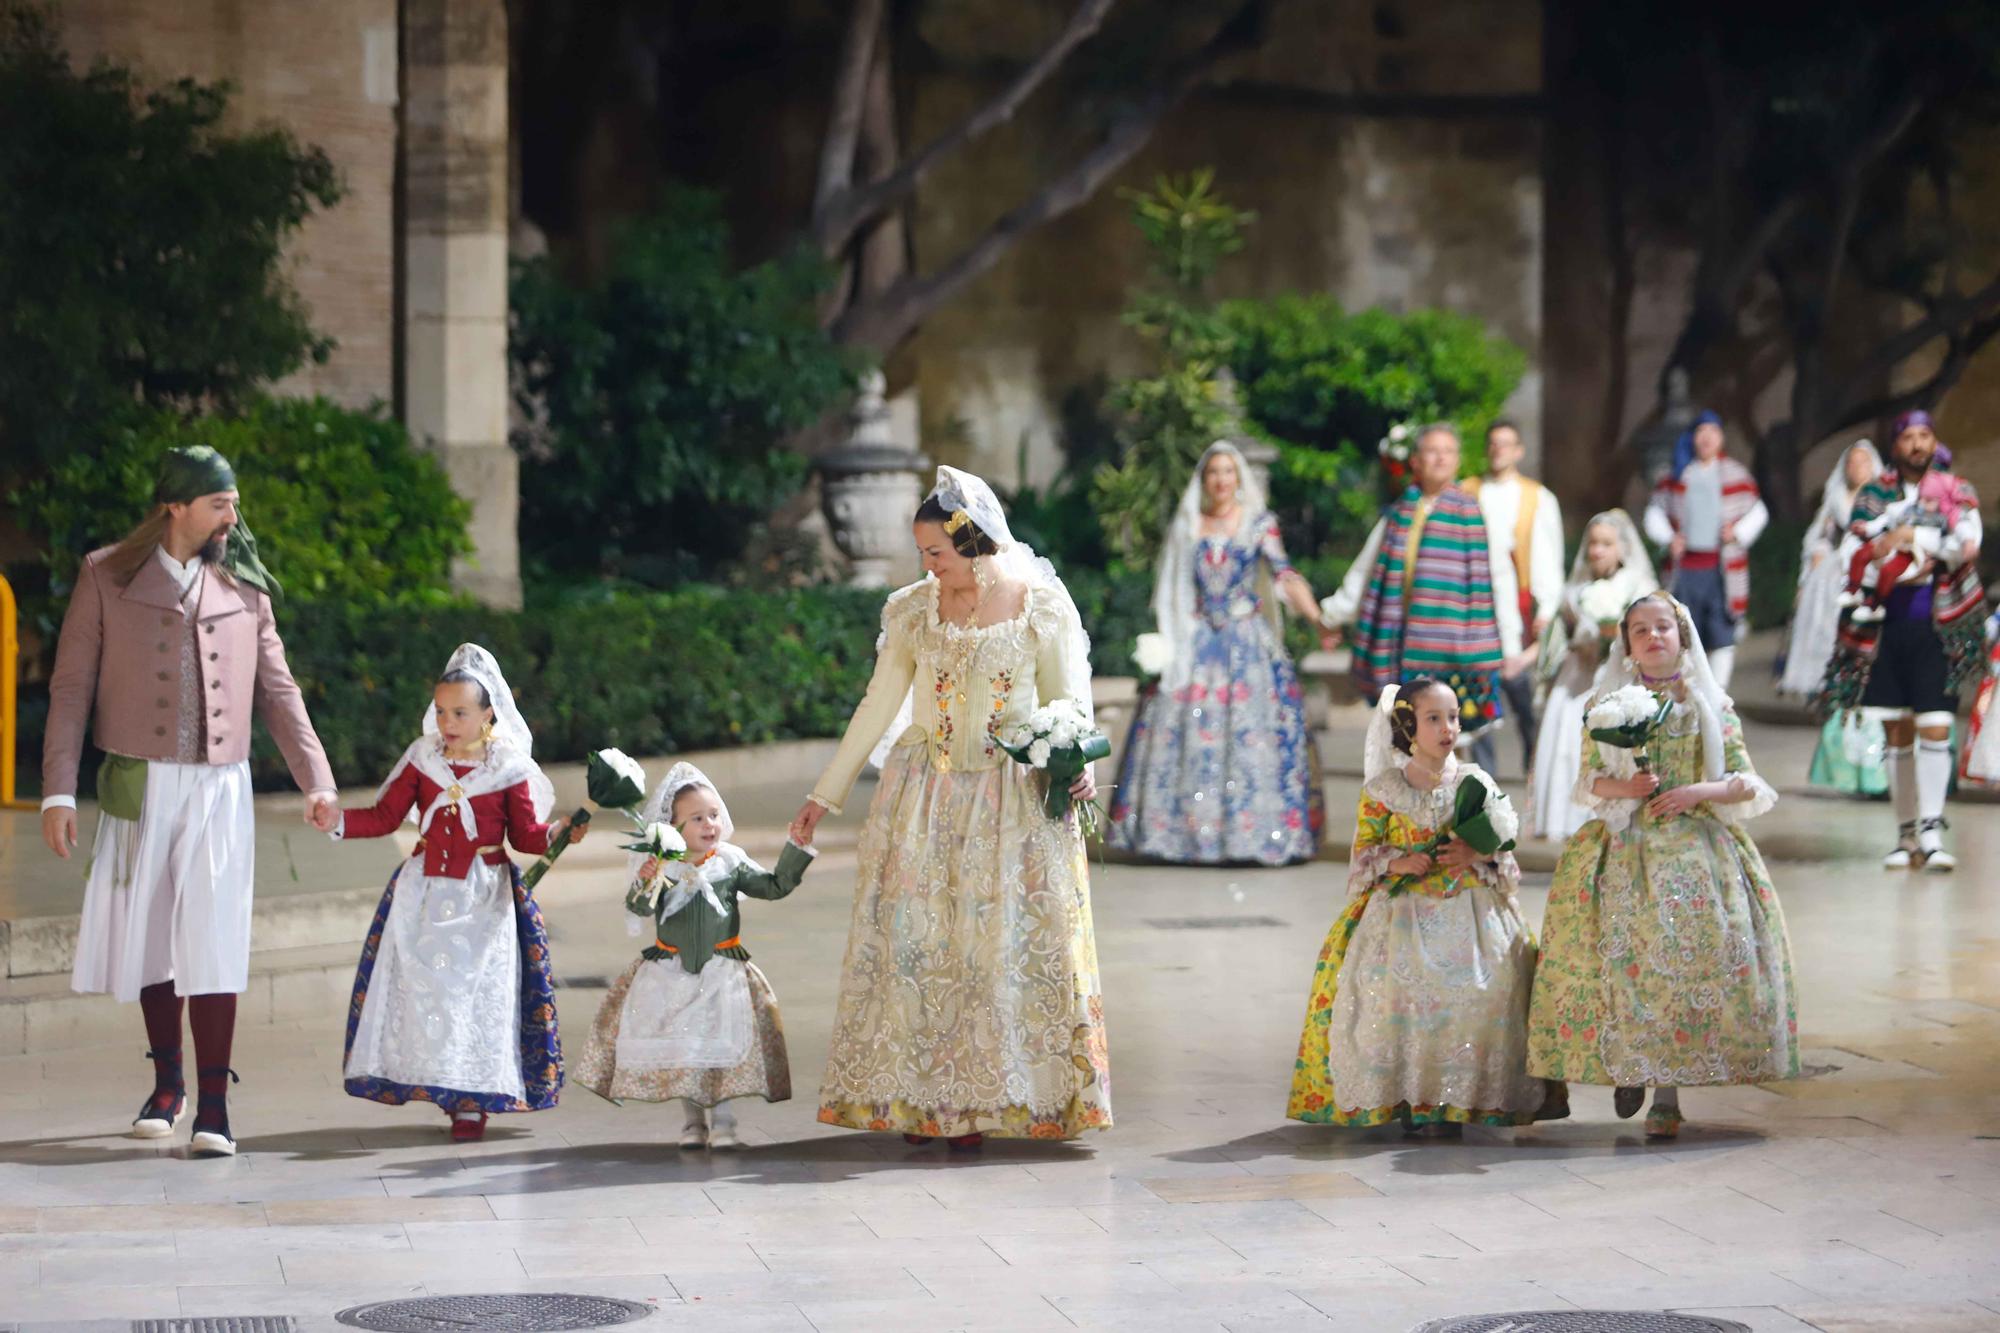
443	1005
969	994
677	1019
1432	1004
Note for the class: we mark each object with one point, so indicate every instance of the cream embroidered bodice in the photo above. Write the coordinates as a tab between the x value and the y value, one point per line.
966	684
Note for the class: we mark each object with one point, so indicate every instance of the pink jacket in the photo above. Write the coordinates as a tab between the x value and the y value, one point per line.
118	668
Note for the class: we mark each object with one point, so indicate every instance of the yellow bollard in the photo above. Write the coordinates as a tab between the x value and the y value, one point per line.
10	663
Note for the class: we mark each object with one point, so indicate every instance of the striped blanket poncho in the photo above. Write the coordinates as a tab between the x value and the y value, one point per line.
1958	612
1430	613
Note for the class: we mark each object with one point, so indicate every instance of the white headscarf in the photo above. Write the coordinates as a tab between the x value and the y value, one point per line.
1836	505
961	492
509	752
1632	555
1174	581
685	878
1704	694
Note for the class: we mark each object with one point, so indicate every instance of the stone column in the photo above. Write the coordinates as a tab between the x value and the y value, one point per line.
454	281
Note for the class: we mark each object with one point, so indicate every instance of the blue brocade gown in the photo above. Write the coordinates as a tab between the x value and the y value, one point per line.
1224	769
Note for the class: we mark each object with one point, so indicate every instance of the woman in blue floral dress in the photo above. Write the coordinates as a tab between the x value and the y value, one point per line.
1220	766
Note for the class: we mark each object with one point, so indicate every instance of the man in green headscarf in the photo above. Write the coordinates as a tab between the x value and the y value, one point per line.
168	648
198	473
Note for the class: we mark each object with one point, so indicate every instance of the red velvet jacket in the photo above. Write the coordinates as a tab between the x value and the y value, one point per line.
447	851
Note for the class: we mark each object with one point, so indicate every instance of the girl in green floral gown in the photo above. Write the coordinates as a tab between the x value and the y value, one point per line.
1416	1004
1664	959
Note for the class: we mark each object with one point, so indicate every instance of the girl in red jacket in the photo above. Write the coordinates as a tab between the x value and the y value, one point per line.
454	1003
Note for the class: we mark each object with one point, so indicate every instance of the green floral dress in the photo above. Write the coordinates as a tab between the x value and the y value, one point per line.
1664	957
1416	1002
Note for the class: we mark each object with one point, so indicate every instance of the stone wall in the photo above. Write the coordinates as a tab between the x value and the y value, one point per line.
1392	153
327	73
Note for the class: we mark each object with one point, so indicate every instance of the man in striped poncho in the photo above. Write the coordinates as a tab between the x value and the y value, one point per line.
1419	598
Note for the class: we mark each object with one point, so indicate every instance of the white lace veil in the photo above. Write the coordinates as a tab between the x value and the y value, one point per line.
961	492
1173	582
1837	497
659	807
510	729
1378	751
1631	551
1704	694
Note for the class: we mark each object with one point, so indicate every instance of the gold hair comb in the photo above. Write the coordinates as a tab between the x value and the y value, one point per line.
959	518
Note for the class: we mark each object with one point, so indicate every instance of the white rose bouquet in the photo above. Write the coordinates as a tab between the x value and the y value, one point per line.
1482	819
1601	601
1061	739
614	781
1152	654
663	843
1626	718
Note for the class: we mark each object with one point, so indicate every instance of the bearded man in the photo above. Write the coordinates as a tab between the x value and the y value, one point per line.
1907	668
167	648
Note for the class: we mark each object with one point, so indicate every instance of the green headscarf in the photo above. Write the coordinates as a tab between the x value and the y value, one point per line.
189	473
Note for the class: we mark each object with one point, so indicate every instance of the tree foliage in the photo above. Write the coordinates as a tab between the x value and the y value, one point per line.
344	507
1165	420
140	247
658	395
1816	161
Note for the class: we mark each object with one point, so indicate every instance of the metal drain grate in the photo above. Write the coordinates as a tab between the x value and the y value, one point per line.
1583	1321
256	1323
524	1312
1215	922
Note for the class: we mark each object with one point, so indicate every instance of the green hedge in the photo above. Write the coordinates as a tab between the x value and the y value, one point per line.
651	673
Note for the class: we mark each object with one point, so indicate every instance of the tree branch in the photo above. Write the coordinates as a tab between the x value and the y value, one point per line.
850	87
1948	314
1963	349
840	214
884	323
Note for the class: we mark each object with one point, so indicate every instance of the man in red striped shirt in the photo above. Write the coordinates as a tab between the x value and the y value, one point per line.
1707	513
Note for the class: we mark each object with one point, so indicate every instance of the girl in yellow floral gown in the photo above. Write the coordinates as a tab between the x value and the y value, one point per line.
969	1001
1417	1001
1664	957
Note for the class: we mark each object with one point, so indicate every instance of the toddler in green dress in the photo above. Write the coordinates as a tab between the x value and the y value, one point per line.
693	1018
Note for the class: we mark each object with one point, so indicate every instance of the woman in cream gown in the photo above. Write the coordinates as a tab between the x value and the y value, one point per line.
969	1000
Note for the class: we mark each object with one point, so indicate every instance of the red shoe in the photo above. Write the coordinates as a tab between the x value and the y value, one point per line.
465	1129
967	1142
918	1140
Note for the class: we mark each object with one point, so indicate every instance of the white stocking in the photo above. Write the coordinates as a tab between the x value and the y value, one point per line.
1933	777
1666	1099
1902	765
697	1118
722	1119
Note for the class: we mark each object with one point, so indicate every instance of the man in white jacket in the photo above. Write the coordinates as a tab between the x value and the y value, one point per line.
1525	533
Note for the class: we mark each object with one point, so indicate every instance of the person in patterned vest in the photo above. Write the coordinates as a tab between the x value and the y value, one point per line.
1707	513
1908	668
1418	600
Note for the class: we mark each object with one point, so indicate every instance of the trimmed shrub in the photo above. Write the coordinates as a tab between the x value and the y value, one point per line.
344	507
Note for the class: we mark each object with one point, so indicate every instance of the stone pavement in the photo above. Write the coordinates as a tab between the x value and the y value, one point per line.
1863	1197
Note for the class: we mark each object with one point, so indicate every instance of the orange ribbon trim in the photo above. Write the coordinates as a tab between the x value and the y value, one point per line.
733	942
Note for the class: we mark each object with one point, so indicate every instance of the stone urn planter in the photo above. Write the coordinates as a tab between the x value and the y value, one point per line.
869	488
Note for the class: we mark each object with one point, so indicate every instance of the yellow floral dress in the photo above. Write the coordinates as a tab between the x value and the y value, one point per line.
969	998
1664	956
1417	1000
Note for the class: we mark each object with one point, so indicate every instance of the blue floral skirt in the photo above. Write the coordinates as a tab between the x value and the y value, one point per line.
1223	769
